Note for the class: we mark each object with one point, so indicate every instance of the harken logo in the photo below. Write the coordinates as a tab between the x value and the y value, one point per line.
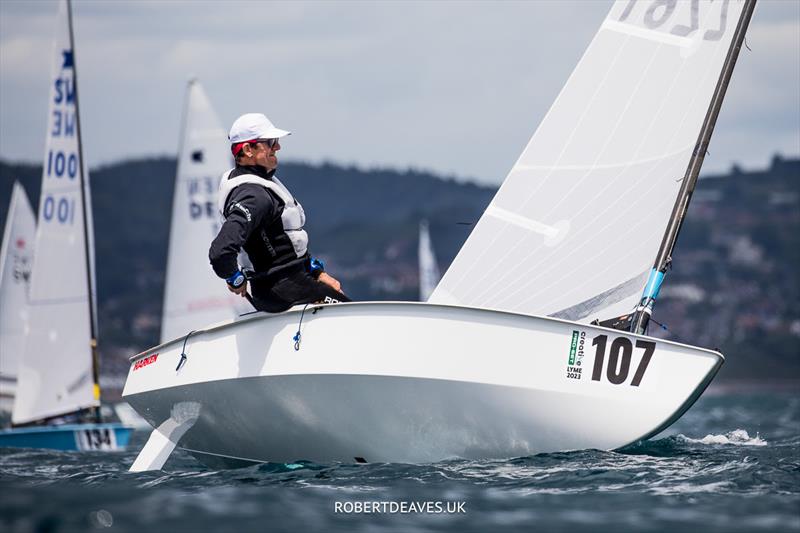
144	362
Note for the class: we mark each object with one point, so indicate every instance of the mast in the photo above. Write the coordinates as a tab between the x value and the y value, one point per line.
87	252
663	260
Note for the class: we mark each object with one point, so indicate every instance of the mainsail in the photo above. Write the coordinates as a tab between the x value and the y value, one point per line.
57	374
16	259
193	295
575	227
429	274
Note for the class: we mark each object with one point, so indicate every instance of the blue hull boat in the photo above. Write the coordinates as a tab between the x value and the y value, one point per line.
69	437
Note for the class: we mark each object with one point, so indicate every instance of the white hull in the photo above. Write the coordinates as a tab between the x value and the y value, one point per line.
409	382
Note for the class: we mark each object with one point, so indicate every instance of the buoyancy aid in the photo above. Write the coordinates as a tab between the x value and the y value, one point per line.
293	216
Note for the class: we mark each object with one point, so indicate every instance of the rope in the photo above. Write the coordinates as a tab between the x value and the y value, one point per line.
299	336
184	358
664	327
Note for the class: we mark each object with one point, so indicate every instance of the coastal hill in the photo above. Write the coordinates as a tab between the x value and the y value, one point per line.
735	283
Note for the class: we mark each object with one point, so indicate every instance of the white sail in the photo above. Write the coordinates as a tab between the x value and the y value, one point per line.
16	260
193	295
56	371
575	227
429	274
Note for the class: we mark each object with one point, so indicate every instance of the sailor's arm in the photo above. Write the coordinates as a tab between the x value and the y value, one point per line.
327	279
245	210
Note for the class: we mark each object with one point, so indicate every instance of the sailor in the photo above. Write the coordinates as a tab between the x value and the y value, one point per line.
263	218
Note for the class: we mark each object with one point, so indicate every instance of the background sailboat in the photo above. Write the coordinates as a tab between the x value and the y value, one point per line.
194	296
58	373
16	260
429	274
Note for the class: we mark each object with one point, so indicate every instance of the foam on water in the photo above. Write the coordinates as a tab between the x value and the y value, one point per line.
737	437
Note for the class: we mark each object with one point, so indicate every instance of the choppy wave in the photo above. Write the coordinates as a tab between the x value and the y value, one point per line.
737	437
726	480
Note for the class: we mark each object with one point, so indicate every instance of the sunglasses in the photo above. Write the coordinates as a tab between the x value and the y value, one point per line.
236	148
269	142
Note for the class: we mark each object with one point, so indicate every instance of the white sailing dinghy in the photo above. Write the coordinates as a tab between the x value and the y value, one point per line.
16	259
503	361
57	388
429	275
193	295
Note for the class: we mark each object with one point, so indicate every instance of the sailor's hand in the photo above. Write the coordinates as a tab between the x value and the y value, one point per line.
237	283
241	290
327	279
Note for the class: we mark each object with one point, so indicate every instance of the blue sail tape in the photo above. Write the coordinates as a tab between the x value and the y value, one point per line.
653	286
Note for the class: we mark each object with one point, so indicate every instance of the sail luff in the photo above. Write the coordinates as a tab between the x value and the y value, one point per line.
664	256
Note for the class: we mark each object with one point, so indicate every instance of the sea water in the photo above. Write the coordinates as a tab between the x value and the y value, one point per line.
732	463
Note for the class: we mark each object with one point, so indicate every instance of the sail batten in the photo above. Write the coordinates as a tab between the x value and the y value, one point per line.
584	208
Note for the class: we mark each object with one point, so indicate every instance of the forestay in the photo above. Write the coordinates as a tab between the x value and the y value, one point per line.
56	371
16	260
194	296
576	225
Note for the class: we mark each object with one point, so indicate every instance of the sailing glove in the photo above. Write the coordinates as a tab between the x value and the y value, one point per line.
236	280
316	267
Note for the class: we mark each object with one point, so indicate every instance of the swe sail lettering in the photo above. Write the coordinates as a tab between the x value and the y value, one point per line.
65	91
203	207
60	164
59	209
63	123
64	119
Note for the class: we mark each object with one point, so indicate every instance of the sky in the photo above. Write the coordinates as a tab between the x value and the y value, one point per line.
456	88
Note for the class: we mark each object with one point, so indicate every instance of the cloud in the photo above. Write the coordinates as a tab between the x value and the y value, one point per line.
456	87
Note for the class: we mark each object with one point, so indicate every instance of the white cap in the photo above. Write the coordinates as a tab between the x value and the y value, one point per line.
254	126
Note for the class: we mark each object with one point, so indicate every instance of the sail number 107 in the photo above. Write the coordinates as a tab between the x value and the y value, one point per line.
619	359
